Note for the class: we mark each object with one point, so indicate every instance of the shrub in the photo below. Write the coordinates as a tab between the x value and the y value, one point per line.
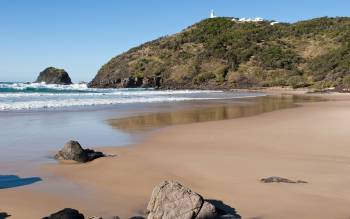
346	82
296	81
203	77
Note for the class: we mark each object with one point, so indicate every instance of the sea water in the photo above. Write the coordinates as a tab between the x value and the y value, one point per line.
37	119
39	96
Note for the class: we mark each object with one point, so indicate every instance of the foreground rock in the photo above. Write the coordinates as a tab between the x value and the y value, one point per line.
276	179
67	213
53	75
172	200
72	150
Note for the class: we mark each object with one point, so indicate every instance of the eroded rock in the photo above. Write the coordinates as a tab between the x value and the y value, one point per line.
72	150
172	200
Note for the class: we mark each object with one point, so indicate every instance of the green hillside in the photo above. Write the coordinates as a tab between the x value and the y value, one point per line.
221	53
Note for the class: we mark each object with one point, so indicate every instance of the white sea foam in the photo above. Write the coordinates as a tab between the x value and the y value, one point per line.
46	104
22	86
22	96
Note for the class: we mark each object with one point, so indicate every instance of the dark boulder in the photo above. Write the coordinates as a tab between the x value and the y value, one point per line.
72	150
138	81
128	82
147	82
53	75
158	81
66	213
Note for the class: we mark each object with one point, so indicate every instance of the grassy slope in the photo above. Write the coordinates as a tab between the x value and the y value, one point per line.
217	53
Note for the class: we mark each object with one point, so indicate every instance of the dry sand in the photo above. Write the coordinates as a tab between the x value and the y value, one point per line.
221	160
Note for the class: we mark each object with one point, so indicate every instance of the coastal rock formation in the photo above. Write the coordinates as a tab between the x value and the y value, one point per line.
170	199
277	179
72	150
67	213
53	75
223	53
128	82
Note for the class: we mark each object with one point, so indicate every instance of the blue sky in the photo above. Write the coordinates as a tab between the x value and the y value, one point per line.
80	36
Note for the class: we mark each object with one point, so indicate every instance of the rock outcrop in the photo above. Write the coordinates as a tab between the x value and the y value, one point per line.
53	75
72	150
172	200
277	179
67	213
128	82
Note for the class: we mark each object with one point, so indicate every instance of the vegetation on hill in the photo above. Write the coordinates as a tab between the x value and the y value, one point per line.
221	53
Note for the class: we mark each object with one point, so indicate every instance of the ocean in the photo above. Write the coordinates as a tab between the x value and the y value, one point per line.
15	96
37	118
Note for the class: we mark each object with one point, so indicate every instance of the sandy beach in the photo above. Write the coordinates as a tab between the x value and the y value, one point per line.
222	160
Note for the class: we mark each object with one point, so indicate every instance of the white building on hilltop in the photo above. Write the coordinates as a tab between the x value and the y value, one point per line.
246	20
257	19
212	15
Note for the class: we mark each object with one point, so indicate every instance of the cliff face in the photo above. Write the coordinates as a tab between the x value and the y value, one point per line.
53	75
221	53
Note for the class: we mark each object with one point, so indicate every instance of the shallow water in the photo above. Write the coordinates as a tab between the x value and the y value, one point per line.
212	111
30	138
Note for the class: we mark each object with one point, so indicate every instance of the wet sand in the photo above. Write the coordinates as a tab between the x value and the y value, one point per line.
221	160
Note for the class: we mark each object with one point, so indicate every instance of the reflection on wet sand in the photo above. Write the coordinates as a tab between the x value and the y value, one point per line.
220	111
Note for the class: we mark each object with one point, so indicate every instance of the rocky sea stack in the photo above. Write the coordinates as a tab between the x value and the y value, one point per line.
53	75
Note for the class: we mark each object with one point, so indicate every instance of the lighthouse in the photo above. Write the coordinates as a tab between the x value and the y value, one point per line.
212	15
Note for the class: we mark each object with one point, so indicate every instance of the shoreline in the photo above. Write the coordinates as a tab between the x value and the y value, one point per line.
194	161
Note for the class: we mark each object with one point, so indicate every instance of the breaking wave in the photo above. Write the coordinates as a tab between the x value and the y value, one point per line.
29	96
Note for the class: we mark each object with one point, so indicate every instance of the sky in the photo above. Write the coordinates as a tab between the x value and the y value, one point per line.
82	35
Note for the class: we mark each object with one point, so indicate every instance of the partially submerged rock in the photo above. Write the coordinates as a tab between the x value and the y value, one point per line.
72	150
172	200
67	213
277	179
53	75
